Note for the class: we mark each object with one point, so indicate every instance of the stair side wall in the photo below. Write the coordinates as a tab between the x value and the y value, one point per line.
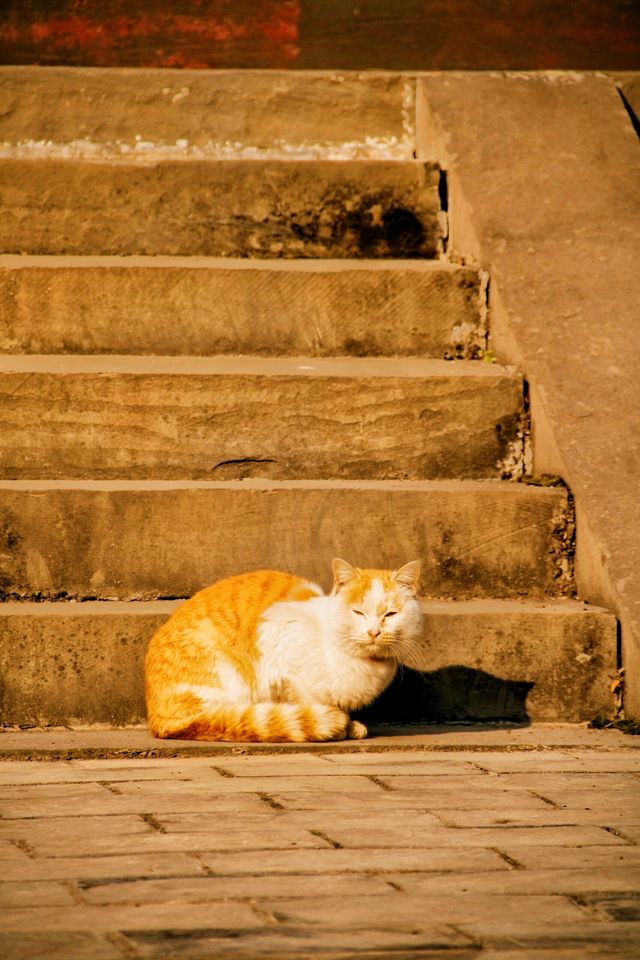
543	182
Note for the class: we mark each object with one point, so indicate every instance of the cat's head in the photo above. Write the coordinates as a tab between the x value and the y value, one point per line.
380	610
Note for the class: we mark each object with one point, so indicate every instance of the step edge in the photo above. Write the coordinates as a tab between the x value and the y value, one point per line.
17	262
181	158
129	742
244	365
507	487
211	72
551	607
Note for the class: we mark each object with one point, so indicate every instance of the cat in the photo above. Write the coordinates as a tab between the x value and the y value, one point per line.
266	656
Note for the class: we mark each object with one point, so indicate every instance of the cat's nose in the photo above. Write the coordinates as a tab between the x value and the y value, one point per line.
374	632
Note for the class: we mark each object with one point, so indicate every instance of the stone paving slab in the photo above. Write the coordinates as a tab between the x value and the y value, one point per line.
544	815
586	761
338	861
313	854
585	951
520	882
590	858
431	941
116	868
227	916
404	912
40	892
404	835
58	946
204	888
613	940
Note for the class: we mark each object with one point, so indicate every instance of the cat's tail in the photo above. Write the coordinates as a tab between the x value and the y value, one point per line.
269	722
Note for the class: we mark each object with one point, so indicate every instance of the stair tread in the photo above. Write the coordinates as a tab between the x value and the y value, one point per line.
94	111
506	489
97	741
139	161
16	261
548	607
231	365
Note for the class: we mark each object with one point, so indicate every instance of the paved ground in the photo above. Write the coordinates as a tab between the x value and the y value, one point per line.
489	844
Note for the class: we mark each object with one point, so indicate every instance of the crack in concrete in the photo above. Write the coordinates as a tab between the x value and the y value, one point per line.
153	822
504	535
110	787
380	783
511	861
323	836
25	847
271	801
224	772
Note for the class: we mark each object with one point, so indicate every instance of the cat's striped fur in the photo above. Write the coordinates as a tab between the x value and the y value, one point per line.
267	656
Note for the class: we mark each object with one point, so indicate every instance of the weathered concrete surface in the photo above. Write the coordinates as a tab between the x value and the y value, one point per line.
307	856
66	663
230	208
229	418
522	746
148	540
557	224
200	306
492	659
98	114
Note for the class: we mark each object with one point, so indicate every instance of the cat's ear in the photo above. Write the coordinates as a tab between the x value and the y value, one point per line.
409	575
343	572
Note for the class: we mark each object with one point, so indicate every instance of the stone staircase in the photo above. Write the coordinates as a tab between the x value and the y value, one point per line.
231	338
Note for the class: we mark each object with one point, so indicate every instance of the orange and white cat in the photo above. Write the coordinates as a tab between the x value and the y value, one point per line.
267	656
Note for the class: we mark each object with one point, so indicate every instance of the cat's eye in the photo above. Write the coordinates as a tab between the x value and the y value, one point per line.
359	612
391	613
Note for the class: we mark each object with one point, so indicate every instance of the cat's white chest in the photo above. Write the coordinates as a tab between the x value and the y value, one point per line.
355	681
302	658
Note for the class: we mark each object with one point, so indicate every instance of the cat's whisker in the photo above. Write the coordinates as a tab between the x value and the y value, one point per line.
414	658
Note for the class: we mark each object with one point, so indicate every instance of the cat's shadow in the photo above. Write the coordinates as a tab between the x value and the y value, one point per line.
447	695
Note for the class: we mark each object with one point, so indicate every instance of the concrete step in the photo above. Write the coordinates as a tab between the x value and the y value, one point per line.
564	745
204	306
99	114
66	663
230	208
233	417
149	540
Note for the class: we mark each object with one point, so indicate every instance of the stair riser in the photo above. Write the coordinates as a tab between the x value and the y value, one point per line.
88	668
257	309
162	426
133	543
516	665
101	113
224	208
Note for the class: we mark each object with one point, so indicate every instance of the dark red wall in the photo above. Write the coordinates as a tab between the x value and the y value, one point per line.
324	34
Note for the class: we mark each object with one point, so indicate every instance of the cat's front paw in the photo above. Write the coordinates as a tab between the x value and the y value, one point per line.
356	730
